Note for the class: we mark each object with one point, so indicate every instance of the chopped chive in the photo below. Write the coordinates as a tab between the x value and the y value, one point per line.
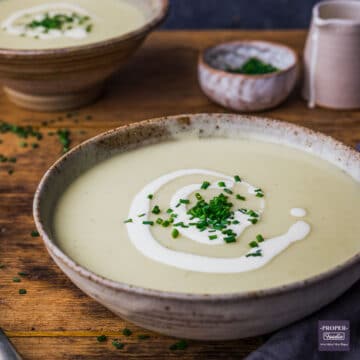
259	238
205	185
254	253
212	237
22	291
230	239
143	337
253	244
253	221
175	233
117	344
127	332
34	233
151	223
169	211
141	215
22	273
128	221
259	195
198	197
235	222
180	345
16	279
184	201
228	191
221	184
159	221
240	197
237	178
101	338
150	196
166	223
156	210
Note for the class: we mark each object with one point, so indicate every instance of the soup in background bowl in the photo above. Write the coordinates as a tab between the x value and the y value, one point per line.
207	226
56	55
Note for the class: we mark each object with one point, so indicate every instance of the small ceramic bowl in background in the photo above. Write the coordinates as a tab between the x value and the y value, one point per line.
243	92
66	78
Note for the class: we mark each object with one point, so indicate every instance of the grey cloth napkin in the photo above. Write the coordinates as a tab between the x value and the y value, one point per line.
299	341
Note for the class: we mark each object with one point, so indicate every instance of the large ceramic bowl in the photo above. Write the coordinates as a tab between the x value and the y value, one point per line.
206	317
66	78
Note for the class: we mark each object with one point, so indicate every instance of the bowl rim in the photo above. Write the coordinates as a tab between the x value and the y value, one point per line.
98	45
57	253
203	63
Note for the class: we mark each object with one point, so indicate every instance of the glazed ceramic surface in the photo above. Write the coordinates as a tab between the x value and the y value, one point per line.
198	316
70	77
332	74
243	92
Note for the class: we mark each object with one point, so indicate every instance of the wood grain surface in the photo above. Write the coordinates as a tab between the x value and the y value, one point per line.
55	320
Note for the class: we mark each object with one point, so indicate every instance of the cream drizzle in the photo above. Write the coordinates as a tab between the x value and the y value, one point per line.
77	32
143	240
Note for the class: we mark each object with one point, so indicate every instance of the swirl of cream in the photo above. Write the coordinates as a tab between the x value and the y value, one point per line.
143	240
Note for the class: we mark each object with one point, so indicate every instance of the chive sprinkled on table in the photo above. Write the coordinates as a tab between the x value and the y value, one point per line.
34	233
22	291
126	332
179	345
117	344
101	338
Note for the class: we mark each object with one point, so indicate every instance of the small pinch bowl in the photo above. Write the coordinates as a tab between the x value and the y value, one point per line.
242	92
186	315
66	78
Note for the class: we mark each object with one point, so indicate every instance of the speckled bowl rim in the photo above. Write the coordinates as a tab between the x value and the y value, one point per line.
203	63
54	250
95	46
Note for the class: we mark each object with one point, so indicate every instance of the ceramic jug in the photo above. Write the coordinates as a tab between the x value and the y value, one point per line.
332	56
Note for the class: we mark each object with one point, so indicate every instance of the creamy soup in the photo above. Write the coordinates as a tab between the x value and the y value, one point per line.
41	24
210	216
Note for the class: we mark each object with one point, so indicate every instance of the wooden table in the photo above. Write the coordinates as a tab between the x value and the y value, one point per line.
55	320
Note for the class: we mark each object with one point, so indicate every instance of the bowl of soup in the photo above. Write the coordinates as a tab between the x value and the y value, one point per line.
206	226
57	55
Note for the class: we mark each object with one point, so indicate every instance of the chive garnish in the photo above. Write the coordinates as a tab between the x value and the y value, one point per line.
22	273
237	178
180	345
156	210
259	195
221	184
212	237
141	215
205	185
169	211
253	244
184	201
128	221
127	332
228	191
16	279
150	196
240	197
159	221
101	338
143	337
175	233
151	223
254	253
253	221
166	223
22	291
229	239
235	222
117	344
259	238
34	233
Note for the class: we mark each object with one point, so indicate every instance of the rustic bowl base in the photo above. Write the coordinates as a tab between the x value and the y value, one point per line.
58	102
